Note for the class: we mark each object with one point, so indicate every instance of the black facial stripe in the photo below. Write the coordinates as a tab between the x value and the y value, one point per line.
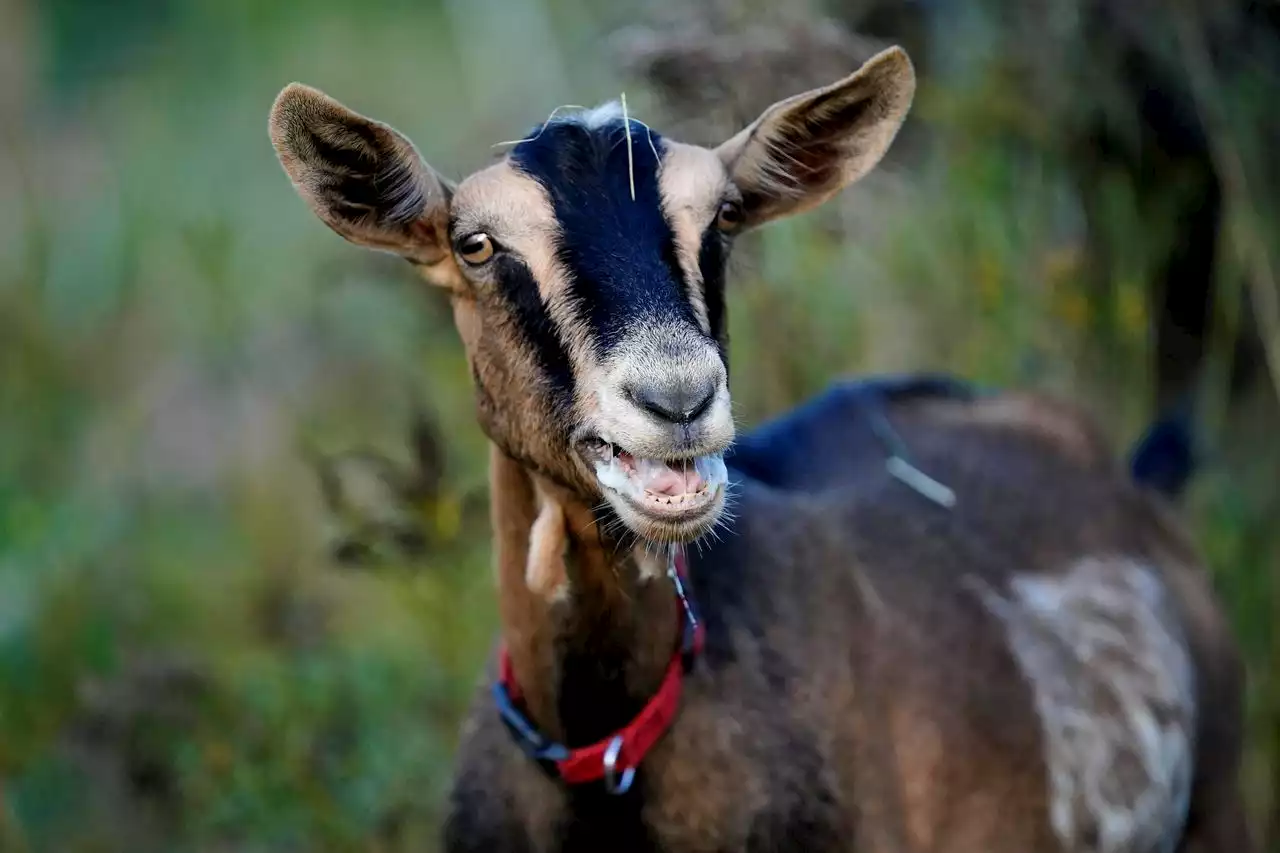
519	290
688	286
712	258
619	254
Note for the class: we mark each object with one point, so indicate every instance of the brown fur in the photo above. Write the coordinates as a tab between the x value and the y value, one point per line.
880	673
930	755
1055	422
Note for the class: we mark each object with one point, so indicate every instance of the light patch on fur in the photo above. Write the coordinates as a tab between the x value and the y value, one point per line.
692	183
600	116
920	751
545	572
591	118
1114	690
651	565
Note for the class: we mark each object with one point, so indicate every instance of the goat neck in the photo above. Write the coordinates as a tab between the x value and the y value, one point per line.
589	626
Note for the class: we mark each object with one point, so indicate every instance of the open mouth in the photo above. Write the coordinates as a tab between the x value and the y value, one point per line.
671	490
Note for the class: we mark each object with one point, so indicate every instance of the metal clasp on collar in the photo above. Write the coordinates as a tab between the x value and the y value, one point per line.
612	783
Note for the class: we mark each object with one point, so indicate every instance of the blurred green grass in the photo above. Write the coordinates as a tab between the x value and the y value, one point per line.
182	664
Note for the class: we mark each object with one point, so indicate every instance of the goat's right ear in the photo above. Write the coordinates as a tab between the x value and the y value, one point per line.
362	178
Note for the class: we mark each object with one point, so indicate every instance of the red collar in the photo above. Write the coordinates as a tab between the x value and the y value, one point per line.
615	758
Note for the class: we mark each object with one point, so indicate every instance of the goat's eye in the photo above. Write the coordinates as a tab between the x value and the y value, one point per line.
475	248
730	216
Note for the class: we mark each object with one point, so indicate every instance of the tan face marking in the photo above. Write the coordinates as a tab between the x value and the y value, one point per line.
515	211
692	183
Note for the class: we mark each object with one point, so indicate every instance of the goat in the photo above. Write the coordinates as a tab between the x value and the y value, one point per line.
843	662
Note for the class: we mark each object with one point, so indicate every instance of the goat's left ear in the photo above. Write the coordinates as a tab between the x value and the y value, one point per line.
364	179
805	149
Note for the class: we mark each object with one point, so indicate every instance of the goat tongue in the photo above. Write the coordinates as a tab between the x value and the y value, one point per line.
662	478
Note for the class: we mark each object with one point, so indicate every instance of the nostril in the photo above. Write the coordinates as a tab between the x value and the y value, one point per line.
708	395
680	403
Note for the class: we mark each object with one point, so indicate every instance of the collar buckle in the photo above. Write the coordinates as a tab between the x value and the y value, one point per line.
612	783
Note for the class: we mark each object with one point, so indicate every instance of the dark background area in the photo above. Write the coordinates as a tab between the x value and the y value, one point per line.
245	588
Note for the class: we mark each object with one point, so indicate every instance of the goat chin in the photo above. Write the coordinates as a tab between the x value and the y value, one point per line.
672	526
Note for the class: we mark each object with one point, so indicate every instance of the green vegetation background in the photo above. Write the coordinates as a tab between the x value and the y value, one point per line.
184	666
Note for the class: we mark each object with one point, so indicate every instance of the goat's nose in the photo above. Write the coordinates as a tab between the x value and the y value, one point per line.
677	402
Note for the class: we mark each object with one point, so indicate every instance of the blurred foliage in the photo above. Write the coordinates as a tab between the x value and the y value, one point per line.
245	593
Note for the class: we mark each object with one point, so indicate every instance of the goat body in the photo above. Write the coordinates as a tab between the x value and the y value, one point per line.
1039	668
